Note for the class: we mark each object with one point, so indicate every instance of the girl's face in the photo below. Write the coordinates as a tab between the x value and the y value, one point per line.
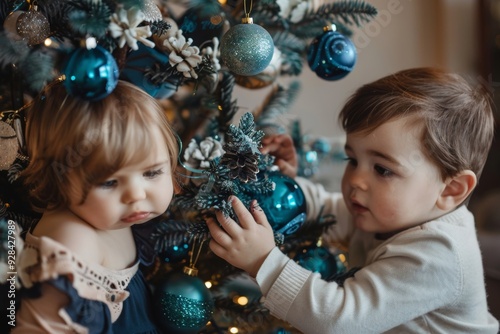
134	194
389	184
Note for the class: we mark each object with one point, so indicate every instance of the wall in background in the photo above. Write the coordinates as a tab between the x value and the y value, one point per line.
406	33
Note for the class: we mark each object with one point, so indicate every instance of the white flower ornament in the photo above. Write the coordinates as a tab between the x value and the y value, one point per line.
182	55
200	155
125	26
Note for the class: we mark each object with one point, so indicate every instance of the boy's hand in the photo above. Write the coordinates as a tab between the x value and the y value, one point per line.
281	146
246	246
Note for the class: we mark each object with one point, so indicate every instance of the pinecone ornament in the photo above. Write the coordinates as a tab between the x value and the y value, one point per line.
242	165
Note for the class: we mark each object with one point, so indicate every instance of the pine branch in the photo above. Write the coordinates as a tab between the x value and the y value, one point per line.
90	18
169	233
227	106
286	40
37	69
159	27
350	12
5	9
276	105
131	3
57	12
12	52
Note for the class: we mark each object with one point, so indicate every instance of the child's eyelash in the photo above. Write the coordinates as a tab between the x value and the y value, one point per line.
154	173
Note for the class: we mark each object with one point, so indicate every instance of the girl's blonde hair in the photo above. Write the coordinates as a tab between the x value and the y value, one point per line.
455	118
74	144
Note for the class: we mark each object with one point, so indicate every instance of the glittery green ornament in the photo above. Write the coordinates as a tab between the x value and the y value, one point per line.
182	303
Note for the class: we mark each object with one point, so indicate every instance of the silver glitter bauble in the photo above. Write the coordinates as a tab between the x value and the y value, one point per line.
151	11
264	78
246	49
8	146
33	26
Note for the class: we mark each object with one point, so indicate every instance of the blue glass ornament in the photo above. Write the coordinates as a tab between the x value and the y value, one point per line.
203	23
246	49
182	303
135	65
320	260
285	207
91	74
331	56
321	146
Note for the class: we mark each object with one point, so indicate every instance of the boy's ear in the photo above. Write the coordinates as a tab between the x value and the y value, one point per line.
456	190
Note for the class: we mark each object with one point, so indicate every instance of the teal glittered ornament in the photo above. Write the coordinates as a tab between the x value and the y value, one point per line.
91	74
182	303
247	48
331	55
285	207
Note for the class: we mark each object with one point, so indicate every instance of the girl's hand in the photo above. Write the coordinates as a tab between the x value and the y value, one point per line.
282	147
246	246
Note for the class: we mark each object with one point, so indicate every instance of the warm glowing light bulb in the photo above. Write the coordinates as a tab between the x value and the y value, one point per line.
242	300
47	42
233	330
208	284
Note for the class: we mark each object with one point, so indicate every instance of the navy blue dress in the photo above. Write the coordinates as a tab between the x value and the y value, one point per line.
136	316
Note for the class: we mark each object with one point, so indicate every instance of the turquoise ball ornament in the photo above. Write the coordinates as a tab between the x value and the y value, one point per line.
246	49
331	56
285	207
142	59
320	260
182	303
91	74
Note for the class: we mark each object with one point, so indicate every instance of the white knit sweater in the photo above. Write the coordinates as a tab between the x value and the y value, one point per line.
427	279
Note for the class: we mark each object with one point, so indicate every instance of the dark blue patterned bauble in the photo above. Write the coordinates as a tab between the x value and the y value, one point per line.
320	260
285	207
203	23
331	56
182	304
91	74
246	49
142	59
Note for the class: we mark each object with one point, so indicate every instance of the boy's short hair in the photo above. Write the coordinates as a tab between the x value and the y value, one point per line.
456	119
74	144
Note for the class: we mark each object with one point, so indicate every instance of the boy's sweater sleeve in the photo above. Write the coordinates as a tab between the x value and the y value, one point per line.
374	300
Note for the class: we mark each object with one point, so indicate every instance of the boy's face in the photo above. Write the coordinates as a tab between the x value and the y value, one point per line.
134	194
389	184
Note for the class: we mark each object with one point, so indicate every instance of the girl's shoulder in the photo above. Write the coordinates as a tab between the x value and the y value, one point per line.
71	232
46	260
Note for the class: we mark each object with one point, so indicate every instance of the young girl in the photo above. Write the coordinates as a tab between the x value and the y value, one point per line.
416	144
98	170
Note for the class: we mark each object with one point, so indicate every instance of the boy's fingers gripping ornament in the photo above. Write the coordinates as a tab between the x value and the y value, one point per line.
332	55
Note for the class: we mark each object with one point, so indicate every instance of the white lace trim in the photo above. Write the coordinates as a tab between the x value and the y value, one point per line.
44	259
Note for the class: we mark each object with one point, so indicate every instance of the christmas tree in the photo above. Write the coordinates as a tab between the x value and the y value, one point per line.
189	55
